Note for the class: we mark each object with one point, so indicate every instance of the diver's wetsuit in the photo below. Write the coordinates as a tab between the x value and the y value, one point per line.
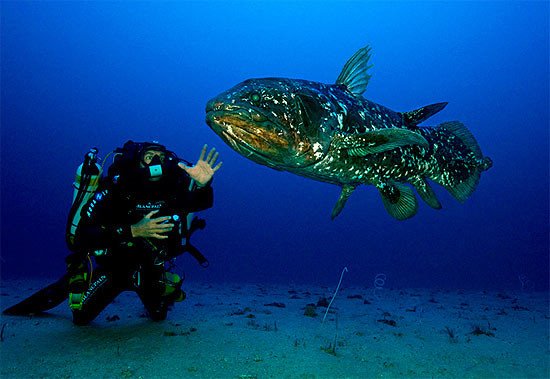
127	263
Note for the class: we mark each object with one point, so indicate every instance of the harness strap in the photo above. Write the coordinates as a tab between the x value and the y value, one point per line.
195	253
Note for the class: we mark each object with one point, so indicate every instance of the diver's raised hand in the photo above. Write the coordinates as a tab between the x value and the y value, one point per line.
149	227
203	171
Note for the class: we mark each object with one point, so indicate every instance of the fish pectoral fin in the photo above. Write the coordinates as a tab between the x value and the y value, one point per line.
413	118
354	75
399	200
378	141
347	190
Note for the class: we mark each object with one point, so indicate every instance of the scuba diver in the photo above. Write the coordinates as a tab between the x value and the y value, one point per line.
133	224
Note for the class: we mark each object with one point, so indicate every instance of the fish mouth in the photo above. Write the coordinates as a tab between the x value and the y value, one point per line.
253	115
247	132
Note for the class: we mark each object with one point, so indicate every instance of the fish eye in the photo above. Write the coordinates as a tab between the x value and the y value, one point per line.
255	97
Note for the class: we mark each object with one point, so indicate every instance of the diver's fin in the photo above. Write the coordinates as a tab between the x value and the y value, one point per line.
47	298
468	178
399	200
347	190
426	193
377	141
354	74
413	118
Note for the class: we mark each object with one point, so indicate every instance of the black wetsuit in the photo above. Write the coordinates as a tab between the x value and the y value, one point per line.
127	263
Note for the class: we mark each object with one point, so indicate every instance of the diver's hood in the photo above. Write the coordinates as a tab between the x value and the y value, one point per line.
129	170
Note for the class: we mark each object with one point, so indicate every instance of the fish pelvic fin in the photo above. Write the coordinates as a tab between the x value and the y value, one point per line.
347	190
354	75
464	175
377	141
413	118
399	200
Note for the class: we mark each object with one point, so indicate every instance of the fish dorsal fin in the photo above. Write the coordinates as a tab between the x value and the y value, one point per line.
354	74
377	141
413	118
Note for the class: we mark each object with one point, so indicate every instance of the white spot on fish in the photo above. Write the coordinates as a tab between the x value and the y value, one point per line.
318	150
340	120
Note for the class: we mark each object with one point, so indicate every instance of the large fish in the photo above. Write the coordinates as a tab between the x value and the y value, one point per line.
330	133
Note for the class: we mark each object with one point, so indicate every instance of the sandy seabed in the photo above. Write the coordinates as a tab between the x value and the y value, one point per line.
262	331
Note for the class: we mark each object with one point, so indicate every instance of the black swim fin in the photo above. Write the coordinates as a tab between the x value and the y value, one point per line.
43	300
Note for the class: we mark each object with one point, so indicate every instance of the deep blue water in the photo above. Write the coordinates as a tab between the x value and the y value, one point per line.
83	74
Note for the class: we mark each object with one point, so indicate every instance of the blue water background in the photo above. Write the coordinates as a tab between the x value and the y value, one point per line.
83	74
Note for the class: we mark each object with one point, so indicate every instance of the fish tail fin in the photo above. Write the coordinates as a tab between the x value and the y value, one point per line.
460	160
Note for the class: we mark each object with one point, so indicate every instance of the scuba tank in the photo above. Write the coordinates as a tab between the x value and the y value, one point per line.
85	185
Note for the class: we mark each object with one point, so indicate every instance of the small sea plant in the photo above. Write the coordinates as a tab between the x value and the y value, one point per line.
453	338
331	347
379	281
252	323
526	284
477	330
310	310
270	327
335	292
